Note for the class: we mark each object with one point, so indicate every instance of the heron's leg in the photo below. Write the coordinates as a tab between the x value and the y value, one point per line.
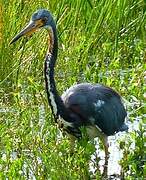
72	140
106	146
104	139
94	131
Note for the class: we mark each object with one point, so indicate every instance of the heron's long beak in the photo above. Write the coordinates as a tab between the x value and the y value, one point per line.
28	30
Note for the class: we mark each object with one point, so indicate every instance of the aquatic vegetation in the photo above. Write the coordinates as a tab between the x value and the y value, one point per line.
99	41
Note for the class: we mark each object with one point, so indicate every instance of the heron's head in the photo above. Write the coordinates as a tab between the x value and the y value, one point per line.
40	19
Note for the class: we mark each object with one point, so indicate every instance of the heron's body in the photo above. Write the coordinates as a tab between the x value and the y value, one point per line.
94	106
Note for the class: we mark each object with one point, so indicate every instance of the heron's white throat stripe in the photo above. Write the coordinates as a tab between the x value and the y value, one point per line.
51	95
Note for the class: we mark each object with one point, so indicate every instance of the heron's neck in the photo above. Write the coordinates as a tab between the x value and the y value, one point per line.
54	99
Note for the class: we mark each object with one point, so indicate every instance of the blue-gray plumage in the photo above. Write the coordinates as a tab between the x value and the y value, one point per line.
96	107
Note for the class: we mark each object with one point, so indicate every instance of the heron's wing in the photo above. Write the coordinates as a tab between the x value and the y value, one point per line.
96	105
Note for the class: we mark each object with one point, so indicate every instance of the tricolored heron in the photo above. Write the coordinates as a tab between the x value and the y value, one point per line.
96	107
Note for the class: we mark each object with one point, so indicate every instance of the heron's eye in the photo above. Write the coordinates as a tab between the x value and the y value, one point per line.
44	20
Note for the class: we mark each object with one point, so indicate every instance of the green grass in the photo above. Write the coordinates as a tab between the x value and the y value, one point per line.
99	41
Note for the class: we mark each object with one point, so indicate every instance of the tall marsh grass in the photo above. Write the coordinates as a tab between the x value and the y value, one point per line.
100	41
